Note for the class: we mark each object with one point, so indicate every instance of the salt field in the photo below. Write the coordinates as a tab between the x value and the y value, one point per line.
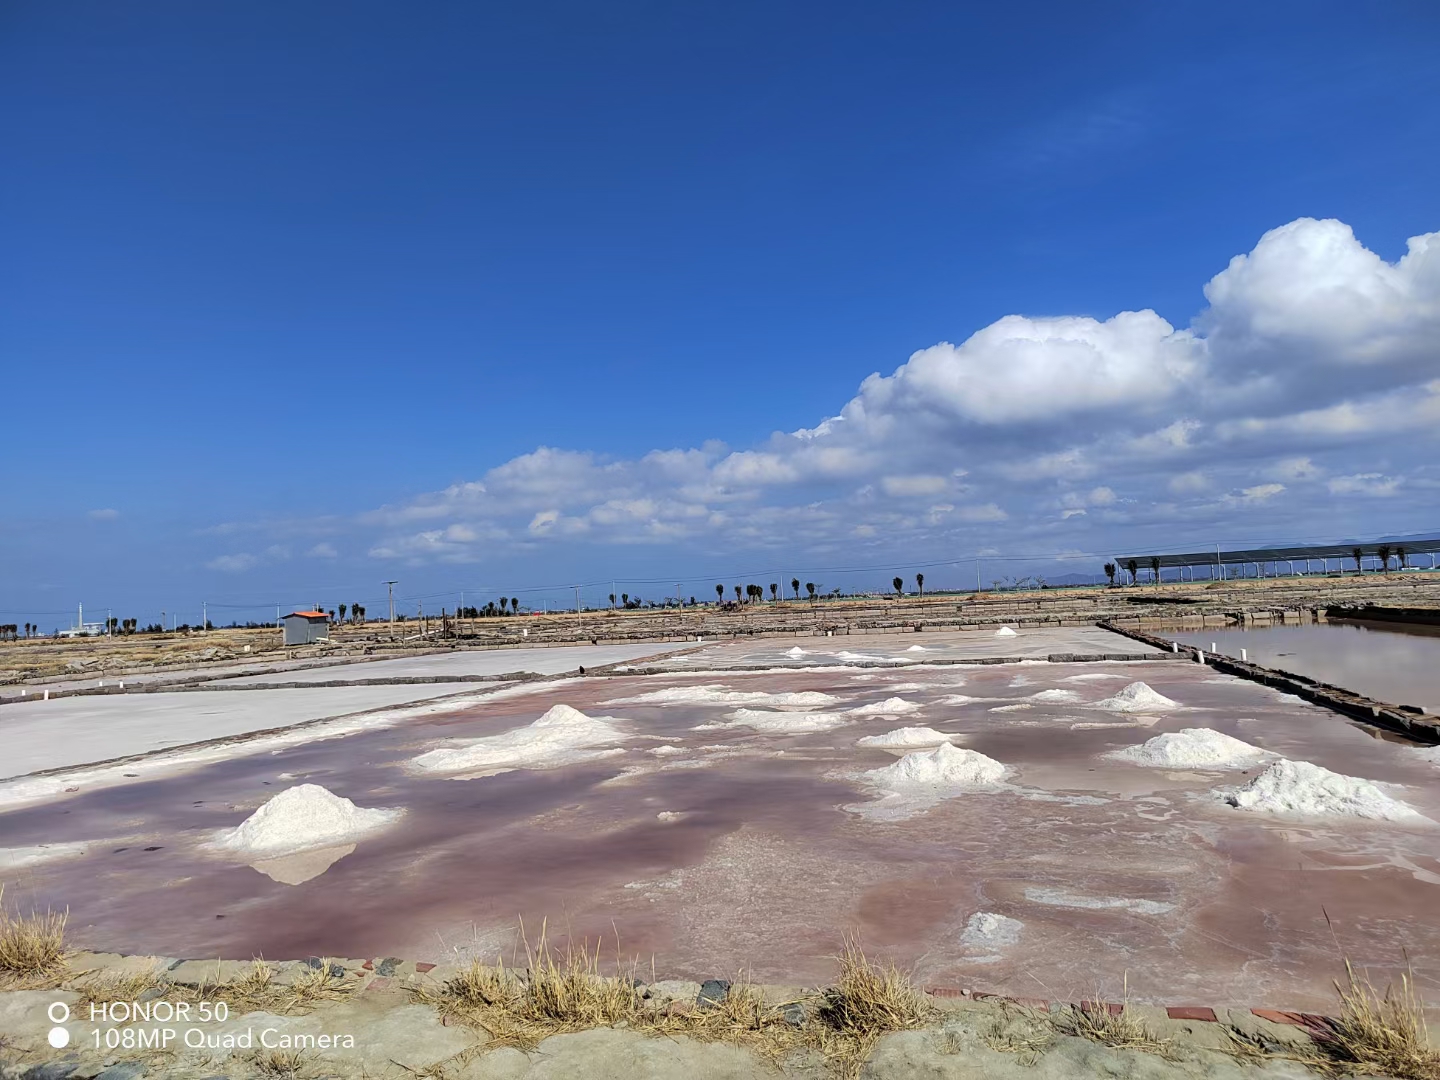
1027	826
1392	662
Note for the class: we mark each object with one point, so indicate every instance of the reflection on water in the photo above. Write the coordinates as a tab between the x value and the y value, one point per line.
303	865
1390	662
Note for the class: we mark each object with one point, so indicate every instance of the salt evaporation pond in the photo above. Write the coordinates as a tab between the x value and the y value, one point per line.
710	818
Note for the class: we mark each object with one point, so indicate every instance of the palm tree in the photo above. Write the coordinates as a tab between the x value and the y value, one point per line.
1358	556
810	588
899	585
719	593
795	584
1400	555
737	594
625	599
1132	566
1384	552
342	612
920	583
774	592
1155	567
514	606
1110	569
612	599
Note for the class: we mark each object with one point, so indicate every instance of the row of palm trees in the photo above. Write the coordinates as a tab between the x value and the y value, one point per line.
1383	552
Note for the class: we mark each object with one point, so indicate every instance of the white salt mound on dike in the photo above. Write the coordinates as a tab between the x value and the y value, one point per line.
301	818
906	736
1005	631
796	653
1298	787
1137	697
1191	748
944	767
562	736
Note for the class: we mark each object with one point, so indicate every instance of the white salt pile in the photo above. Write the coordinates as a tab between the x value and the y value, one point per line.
891	706
560	737
780	723
917	648
1137	697
946	767
1191	748
1431	754
1055	695
1095	677
301	818
715	694
667	750
1004	631
905	736
1298	787
795	653
852	657
986	930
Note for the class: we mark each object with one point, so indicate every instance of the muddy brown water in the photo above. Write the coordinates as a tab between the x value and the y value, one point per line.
1117	873
1391	662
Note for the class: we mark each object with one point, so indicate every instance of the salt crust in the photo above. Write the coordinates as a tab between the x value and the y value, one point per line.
717	694
562	736
302	818
779	723
16	858
1299	787
986	930
1191	748
1137	697
906	736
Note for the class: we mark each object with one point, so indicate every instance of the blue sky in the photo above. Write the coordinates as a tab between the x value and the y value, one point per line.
291	297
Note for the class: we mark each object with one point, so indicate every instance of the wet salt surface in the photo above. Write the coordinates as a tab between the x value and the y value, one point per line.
1392	662
731	849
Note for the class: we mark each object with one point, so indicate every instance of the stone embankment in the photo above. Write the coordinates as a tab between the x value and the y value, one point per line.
379	1018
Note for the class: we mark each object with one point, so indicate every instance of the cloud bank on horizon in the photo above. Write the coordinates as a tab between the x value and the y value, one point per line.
1310	382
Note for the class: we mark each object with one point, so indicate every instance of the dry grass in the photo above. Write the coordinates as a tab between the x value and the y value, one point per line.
102	986
32	947
279	1064
1122	1030
1381	1033
570	991
260	989
1018	1030
867	1002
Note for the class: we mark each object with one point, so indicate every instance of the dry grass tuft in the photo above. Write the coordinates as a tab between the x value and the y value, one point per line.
101	986
572	991
1381	1033
31	946
279	1064
1018	1030
1124	1030
867	1002
259	988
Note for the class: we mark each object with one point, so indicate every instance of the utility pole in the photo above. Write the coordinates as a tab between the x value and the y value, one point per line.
391	586
577	599
204	615
977	575
108	613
